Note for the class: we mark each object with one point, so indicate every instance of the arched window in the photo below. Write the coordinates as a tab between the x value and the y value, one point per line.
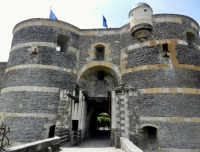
99	52
62	43
192	41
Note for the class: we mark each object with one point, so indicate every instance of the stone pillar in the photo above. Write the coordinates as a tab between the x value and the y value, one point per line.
120	131
63	118
113	119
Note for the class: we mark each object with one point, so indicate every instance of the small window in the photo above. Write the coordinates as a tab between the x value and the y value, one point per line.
145	10
165	51
100	75
165	47
74	125
99	53
62	43
192	41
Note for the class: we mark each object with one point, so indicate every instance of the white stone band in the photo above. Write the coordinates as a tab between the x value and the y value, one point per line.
30	44
40	66
170	119
30	89
148	43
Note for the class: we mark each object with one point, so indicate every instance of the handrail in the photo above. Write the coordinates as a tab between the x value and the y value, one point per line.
75	137
64	134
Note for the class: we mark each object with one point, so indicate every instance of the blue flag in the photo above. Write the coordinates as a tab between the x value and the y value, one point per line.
104	22
52	15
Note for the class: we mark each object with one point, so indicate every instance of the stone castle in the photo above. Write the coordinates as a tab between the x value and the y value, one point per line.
145	75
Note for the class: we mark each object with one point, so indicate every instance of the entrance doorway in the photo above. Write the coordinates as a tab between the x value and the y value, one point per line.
97	83
98	118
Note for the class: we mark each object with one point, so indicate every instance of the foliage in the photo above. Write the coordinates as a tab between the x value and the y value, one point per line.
122	86
77	87
103	120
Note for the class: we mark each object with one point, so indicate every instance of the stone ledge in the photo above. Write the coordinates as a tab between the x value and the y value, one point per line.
170	119
48	23
170	90
157	66
40	66
128	146
30	89
33	44
40	145
167	19
156	42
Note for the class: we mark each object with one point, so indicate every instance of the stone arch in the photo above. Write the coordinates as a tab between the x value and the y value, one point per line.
113	69
92	118
148	136
192	40
149	125
97	78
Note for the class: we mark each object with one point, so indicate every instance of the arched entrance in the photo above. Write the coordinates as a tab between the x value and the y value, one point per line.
97	82
148	139
93	128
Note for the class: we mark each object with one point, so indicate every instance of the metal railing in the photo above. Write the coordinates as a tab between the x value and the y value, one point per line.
4	140
75	137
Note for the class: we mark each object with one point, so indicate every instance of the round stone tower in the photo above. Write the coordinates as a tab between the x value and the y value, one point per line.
165	69
141	21
42	61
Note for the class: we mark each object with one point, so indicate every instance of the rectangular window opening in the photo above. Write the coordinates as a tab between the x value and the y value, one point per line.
74	125
165	47
100	53
100	75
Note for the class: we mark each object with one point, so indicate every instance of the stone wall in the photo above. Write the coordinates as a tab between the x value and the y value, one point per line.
2	73
29	99
88	42
168	101
163	78
98	87
170	105
177	135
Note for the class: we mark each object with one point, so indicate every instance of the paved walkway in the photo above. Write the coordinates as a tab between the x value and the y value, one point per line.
98	144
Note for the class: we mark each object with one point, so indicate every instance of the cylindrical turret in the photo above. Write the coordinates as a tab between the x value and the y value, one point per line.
141	21
37	69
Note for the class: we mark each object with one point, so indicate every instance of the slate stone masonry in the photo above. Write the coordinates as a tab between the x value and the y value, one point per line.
32	102
31	113
2	73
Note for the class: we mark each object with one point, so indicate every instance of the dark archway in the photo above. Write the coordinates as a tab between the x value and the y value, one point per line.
148	139
192	41
93	112
97	82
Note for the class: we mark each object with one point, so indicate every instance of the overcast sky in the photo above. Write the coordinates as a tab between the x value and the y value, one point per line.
84	14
